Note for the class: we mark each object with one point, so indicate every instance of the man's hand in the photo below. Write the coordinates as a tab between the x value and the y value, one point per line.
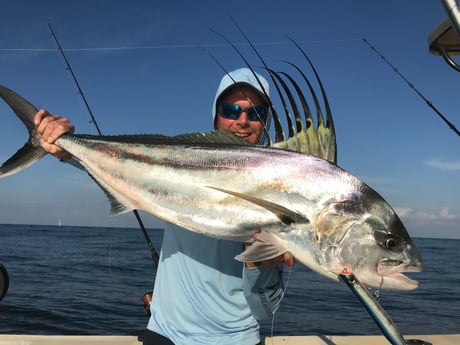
287	259
50	128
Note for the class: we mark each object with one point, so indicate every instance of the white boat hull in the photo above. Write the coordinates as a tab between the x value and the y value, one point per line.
435	339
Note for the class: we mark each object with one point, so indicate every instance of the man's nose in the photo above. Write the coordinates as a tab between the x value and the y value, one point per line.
243	119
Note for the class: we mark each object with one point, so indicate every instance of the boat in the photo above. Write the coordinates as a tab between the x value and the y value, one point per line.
443	41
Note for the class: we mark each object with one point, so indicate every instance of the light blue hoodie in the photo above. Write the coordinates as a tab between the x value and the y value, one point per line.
202	295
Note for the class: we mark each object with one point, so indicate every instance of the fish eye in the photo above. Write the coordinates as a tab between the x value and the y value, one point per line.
390	242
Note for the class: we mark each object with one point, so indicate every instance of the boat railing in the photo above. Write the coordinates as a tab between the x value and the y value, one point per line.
444	40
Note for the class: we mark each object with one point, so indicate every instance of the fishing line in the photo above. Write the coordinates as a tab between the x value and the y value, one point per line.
378	291
286	285
430	104
283	294
177	46
153	252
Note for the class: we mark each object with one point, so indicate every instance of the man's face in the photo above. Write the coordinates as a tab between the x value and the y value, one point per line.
243	127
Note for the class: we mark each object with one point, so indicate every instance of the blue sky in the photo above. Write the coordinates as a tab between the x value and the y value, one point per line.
141	71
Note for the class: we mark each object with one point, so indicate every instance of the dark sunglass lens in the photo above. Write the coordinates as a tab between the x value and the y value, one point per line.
258	113
231	111
252	114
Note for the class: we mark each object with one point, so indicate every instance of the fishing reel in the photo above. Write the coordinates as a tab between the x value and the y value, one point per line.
4	282
417	342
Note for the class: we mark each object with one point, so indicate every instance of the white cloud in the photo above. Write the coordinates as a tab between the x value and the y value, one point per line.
403	212
444	165
439	224
442	215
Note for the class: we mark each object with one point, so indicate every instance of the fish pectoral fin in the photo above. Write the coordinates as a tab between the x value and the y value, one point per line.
284	214
265	248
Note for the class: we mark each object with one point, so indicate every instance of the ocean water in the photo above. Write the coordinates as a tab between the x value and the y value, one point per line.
82	280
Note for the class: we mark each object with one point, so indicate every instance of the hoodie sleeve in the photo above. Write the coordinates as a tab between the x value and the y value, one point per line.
263	289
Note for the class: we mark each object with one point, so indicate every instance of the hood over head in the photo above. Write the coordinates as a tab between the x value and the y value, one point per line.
243	76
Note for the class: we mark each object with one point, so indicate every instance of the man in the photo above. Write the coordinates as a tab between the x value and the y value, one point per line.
201	294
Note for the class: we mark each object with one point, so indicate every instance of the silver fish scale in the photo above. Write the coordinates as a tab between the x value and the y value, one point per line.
182	178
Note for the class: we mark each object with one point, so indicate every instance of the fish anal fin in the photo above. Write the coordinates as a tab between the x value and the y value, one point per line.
116	207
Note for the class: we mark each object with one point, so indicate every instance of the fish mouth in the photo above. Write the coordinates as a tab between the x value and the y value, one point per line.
392	271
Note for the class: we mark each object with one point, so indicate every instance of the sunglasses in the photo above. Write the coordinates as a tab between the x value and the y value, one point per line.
233	112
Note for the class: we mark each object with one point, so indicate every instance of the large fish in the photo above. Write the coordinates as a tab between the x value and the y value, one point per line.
218	185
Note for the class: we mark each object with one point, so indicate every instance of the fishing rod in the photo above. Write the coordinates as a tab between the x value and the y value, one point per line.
153	252
381	318
431	105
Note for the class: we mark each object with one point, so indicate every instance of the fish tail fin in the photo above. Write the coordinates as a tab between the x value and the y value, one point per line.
32	150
